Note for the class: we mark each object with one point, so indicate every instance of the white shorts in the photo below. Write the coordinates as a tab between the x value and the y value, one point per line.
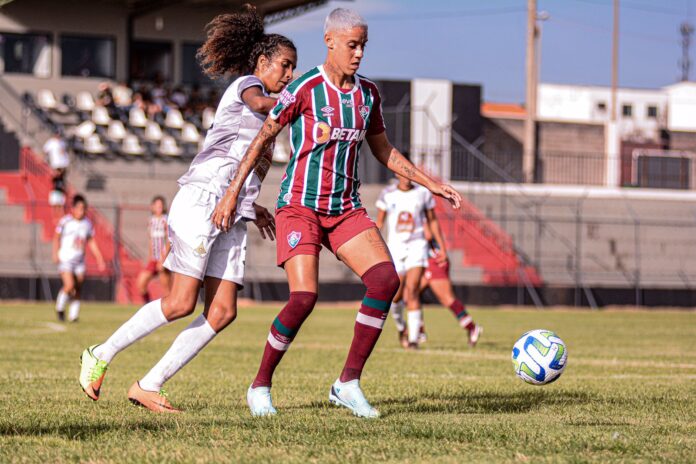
409	255
56	198
199	249
73	266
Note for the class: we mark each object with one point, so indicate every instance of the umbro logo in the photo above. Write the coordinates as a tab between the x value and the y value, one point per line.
327	111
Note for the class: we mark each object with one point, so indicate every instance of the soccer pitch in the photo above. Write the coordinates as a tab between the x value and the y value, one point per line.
628	393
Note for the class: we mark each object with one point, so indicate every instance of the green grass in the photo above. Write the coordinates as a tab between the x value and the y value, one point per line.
628	394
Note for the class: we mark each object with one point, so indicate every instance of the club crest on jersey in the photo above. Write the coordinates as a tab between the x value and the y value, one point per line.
286	98
327	111
294	238
364	111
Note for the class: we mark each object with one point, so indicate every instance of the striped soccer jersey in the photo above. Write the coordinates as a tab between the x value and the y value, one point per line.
327	128
158	236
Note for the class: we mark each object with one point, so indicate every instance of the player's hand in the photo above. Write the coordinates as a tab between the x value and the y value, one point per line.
265	222
441	258
449	193
223	216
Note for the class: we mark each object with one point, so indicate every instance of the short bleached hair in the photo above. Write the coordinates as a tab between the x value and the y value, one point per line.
341	19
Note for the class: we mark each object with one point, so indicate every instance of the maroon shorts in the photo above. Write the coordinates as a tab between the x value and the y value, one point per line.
436	271
302	231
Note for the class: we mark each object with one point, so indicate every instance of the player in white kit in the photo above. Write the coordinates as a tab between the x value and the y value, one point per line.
74	233
202	255
406	207
157	250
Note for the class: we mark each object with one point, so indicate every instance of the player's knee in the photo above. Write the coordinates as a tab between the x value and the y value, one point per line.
302	301
382	277
224	314
176	307
68	288
411	292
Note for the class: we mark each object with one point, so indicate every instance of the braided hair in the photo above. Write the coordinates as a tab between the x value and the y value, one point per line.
236	41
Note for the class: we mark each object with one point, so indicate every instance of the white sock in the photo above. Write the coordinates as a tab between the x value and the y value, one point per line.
397	312
185	347
414	325
61	301
74	310
146	320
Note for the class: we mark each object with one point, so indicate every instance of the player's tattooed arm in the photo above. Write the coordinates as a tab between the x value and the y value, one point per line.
396	162
225	210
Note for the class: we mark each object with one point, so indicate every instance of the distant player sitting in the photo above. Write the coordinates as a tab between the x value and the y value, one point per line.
74	233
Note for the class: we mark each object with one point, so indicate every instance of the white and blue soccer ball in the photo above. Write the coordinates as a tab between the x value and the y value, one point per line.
539	357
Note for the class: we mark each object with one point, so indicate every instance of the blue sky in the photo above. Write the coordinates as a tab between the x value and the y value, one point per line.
475	41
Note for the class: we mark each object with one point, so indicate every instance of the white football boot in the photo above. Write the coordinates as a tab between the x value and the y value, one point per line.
350	395
260	402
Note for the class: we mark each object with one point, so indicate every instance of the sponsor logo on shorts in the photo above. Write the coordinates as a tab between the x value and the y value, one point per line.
200	250
364	111
294	238
286	98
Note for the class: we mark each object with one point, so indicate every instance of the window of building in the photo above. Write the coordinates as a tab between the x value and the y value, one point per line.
26	54
652	111
88	56
191	71
602	106
627	110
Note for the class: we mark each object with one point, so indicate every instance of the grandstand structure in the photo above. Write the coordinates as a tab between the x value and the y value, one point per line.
568	239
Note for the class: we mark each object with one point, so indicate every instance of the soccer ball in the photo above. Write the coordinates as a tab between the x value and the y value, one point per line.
539	357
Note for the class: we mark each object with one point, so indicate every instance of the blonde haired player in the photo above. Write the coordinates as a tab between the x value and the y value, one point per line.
201	255
74	233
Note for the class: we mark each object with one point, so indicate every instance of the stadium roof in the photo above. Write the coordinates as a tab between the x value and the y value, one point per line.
273	10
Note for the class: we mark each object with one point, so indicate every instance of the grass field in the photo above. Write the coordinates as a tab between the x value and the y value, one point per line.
628	394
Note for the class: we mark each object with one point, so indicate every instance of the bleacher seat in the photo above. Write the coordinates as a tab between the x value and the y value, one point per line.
208	118
131	146
137	118
153	132
117	130
84	102
169	147
174	119
100	116
94	145
47	101
190	134
84	129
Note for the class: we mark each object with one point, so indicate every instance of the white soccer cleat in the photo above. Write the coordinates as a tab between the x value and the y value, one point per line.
350	395
474	334
260	402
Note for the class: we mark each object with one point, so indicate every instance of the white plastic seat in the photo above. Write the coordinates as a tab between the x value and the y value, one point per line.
131	145
100	116
189	133
94	145
84	129
153	132
116	131
169	147
208	118
137	118
174	119
84	101
46	99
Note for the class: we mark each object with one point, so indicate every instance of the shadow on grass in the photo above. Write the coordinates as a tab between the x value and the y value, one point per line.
471	402
76	431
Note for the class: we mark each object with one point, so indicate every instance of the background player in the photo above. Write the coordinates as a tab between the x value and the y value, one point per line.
330	111
406	208
74	233
157	249
437	277
202	255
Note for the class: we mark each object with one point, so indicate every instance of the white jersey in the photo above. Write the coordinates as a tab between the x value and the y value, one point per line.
226	142
74	234
57	153
405	213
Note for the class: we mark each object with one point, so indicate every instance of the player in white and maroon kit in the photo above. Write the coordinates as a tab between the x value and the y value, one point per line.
74	233
330	111
201	254
157	250
406	208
